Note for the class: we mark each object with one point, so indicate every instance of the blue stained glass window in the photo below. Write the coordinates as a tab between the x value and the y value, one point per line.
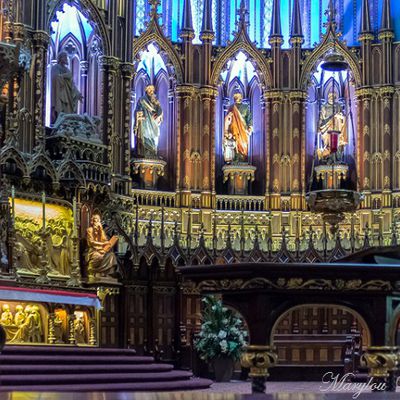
70	20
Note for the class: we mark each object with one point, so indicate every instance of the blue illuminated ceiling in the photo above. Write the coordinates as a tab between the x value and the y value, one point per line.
225	16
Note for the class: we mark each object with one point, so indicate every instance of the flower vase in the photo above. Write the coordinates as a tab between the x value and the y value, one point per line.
223	368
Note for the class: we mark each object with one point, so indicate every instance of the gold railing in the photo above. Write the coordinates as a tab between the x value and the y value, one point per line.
238	203
154	198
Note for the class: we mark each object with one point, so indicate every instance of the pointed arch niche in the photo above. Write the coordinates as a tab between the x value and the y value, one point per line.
151	69
240	75
73	33
322	85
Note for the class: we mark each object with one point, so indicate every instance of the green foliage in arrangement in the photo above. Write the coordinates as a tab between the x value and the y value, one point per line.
222	333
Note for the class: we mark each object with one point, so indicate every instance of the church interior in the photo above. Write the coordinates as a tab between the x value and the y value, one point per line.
200	191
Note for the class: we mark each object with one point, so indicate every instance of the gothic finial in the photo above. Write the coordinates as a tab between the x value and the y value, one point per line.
176	237
276	28
331	14
201	235
150	230
187	20
256	244
153	8
365	18
243	20
394	234
386	22
207	28
228	237
296	30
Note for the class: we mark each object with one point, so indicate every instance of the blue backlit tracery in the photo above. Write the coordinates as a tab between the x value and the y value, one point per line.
260	11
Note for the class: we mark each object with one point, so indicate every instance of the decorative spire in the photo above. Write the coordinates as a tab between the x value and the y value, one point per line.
276	28
386	22
207	28
296	30
243	20
187	21
153	9
331	14
365	18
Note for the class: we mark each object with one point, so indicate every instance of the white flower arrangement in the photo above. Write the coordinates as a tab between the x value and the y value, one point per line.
222	333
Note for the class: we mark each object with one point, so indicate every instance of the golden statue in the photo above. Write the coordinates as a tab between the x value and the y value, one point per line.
20	316
6	316
58	329
80	331
30	330
102	262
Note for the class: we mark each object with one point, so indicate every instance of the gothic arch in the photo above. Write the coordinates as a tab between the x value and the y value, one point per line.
242	43
10	153
90	11
70	167
353	312
319	52
41	160
154	35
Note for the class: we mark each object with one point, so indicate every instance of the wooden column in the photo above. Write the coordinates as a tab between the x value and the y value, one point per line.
185	94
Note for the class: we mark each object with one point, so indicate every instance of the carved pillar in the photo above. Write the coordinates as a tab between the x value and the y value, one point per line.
92	332
51	337
297	102
71	329
84	86
364	143
40	41
185	94
127	70
109	67
275	184
207	96
387	93
268	138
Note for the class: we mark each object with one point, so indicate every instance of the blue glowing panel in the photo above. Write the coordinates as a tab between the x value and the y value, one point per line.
197	14
314	22
151	62
396	18
140	16
239	68
267	15
70	21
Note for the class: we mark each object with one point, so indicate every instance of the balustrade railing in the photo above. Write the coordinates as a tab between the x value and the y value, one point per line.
238	203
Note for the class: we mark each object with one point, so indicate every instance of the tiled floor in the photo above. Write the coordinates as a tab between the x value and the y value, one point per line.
235	390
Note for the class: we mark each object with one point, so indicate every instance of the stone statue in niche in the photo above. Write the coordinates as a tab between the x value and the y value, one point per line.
64	94
102	262
238	126
332	131
148	118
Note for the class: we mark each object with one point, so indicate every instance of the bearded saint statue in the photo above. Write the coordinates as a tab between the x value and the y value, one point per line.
101	260
238	125
64	94
148	118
